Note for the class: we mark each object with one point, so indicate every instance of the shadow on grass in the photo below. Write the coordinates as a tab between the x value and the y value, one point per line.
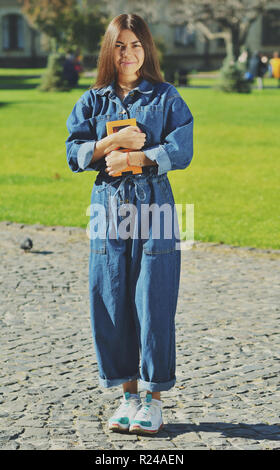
257	432
17	86
4	103
10	82
18	77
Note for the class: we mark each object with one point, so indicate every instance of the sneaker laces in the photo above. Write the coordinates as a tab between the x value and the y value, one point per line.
126	402
147	410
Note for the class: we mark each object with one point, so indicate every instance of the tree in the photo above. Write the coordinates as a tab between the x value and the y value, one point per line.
147	9
71	27
229	20
68	22
53	79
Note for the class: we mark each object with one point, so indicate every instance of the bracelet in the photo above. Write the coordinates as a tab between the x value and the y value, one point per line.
128	163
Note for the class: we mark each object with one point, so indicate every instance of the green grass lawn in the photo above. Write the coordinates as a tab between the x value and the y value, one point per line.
233	180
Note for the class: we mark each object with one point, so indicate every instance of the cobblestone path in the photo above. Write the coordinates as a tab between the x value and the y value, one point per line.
228	355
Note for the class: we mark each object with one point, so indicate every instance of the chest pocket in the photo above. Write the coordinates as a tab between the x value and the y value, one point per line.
99	124
150	120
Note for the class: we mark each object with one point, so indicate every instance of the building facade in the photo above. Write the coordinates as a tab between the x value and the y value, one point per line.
23	46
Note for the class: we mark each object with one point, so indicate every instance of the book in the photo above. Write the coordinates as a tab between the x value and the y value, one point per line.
115	126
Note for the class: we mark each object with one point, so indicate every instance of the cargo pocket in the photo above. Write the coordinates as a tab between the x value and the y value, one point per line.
159	221
98	224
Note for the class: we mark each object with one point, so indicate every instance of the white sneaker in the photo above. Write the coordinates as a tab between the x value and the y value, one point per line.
148	419
123	416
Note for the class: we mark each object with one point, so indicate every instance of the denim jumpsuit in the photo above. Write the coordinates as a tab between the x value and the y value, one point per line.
134	279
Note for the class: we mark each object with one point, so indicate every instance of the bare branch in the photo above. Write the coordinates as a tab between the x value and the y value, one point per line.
209	35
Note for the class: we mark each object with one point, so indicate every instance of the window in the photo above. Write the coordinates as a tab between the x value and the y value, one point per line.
271	28
183	36
13	32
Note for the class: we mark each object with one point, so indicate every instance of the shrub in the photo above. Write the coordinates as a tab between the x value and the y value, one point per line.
232	78
53	79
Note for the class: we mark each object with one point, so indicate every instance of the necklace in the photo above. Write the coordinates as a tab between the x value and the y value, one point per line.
125	89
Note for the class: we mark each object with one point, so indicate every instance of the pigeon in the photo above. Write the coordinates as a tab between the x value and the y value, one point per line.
27	244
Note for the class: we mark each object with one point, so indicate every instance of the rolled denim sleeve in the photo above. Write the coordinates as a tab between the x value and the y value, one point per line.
81	141
175	152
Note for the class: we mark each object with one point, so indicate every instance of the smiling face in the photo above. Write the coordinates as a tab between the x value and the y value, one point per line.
128	56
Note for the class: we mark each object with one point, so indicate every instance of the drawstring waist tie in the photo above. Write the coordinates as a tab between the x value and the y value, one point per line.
121	188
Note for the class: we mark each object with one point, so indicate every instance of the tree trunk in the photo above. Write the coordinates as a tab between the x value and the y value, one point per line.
206	64
54	45
229	45
235	34
33	42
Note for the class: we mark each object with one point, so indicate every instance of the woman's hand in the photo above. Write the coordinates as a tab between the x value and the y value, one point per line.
130	137
115	162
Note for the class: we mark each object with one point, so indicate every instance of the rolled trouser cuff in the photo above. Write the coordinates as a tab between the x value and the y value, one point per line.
107	383
156	386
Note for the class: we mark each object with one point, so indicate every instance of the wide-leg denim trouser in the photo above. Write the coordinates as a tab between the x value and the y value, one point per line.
134	282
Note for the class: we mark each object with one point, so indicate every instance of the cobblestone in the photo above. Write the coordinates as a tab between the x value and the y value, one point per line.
227	394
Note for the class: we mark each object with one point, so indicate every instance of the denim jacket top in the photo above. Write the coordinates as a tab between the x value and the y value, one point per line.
160	112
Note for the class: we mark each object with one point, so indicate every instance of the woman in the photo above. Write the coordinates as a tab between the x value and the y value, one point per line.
133	280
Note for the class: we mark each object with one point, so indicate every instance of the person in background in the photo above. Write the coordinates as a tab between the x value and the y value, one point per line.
78	63
275	67
244	58
70	74
257	68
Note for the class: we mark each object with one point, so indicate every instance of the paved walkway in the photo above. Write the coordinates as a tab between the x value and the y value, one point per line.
227	391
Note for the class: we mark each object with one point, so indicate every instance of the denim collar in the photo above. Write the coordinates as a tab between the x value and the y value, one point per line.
143	87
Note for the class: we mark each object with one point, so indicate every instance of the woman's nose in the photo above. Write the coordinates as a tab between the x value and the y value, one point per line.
124	52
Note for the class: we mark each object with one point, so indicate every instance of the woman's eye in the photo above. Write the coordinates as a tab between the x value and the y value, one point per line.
135	45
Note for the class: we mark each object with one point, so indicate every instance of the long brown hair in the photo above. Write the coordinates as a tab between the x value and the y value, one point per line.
150	69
